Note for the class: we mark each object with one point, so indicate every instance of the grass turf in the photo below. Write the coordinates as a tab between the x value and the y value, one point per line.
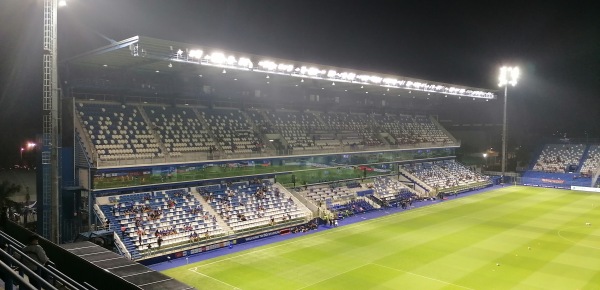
510	238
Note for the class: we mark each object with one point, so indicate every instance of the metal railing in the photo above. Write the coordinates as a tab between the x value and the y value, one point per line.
186	157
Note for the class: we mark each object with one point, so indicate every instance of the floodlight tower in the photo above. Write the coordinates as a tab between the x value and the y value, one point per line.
508	75
51	126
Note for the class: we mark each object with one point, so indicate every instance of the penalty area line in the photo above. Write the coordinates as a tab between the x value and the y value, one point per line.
223	282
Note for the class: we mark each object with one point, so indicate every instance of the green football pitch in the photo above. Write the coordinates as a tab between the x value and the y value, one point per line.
510	238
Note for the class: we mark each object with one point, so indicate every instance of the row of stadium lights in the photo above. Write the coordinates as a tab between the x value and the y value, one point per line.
362	87
219	59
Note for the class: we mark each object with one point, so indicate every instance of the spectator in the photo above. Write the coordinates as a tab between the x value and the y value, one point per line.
159	241
37	253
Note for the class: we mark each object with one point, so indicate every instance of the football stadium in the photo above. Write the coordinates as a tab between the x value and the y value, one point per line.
170	165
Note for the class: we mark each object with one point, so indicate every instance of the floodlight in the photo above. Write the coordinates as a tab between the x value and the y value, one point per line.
195	53
267	65
313	71
217	57
245	62
331	74
62	3
375	79
231	60
350	76
390	81
508	72
285	67
363	78
508	75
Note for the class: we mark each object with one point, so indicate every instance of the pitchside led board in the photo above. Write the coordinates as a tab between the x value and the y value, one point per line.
373	162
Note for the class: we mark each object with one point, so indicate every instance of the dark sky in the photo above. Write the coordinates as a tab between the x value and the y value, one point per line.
556	43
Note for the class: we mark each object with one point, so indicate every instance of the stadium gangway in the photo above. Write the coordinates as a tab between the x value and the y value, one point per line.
22	270
51	271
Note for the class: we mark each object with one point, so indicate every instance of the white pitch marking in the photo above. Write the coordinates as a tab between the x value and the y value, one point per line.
214	279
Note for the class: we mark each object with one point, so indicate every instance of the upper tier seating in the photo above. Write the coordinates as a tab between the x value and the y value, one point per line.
411	130
179	129
231	129
117	131
263	124
296	127
556	157
154	133
352	128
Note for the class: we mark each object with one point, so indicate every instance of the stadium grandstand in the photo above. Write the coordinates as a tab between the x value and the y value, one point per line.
180	149
196	147
163	164
565	164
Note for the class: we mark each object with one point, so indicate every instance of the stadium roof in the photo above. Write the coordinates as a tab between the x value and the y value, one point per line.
163	56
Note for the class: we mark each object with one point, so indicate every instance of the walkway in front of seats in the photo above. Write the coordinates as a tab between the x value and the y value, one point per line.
259	242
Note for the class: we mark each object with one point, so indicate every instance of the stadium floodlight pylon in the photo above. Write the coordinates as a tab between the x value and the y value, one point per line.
508	75
51	125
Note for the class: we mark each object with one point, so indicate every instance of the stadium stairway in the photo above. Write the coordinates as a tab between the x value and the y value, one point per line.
161	145
417	181
536	154
211	211
107	211
439	126
584	157
409	188
206	125
297	201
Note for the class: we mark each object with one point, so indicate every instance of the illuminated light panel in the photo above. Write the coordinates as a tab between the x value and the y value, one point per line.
508	75
195	53
245	62
217	57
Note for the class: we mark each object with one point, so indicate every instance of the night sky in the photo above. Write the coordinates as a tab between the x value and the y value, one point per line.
556	43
